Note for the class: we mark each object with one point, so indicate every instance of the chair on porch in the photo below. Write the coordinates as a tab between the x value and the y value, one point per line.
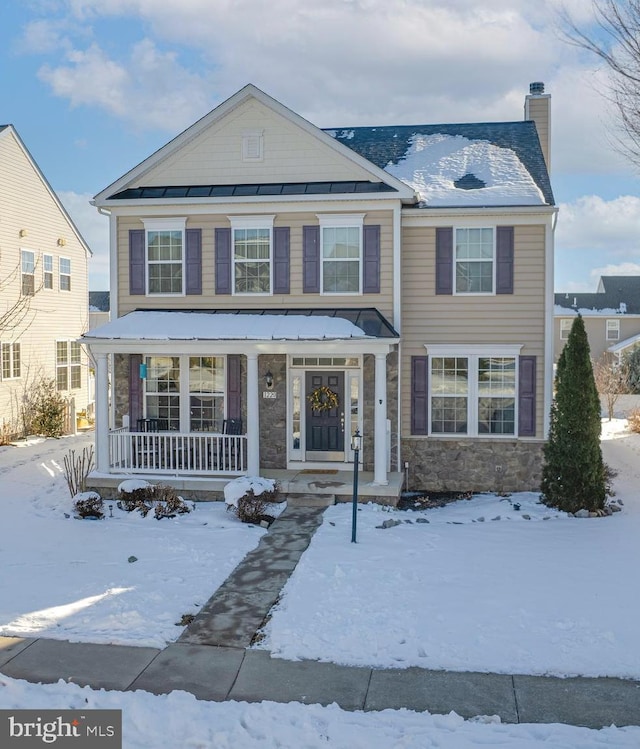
153	425
230	448
147	453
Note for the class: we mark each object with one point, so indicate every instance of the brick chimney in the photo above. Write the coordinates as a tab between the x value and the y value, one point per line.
537	107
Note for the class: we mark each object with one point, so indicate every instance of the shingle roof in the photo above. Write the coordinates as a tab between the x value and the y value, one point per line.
618	290
389	144
100	300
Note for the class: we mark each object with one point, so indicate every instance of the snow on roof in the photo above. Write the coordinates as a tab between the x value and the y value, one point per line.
153	325
435	162
560	311
617	347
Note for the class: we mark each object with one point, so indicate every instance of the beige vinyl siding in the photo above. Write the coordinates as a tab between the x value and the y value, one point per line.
428	318
596	327
290	154
27	205
208	299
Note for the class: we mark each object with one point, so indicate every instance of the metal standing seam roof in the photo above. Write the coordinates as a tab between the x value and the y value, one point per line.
389	144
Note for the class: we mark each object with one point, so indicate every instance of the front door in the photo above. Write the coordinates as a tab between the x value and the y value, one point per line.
325	425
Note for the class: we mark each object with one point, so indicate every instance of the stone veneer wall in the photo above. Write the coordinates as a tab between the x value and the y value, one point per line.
472	465
120	387
273	412
368	427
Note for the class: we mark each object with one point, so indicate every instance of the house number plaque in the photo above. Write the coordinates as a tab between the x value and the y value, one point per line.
269	394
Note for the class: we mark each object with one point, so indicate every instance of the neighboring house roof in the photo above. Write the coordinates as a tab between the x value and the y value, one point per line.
616	295
5	129
99	301
475	164
247	324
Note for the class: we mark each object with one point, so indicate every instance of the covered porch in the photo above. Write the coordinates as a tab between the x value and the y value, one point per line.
207	395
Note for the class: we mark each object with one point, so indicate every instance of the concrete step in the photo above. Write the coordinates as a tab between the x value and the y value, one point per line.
310	500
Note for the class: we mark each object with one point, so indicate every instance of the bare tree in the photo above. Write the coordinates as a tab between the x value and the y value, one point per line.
611	375
18	300
615	39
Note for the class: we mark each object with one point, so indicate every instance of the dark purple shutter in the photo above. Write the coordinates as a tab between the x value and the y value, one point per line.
527	397
193	257
371	254
234	401
419	395
311	259
223	261
504	260
444	260
281	259
136	261
135	391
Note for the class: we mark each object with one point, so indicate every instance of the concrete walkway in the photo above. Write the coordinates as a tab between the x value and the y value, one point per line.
212	660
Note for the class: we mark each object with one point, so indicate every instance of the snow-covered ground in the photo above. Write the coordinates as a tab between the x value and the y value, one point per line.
72	579
480	587
179	720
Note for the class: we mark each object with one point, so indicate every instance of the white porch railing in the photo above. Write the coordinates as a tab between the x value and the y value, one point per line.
175	453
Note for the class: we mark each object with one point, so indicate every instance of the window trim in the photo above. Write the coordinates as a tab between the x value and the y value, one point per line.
473	353
11	347
251	222
32	274
66	275
615	329
342	221
68	365
46	272
494	260
566	331
160	225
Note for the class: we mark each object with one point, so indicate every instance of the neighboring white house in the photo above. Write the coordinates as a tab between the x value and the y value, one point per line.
43	288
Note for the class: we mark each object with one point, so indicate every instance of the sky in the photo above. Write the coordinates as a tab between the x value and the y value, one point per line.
93	87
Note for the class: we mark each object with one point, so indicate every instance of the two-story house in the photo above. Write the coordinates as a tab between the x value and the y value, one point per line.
611	316
276	287
43	290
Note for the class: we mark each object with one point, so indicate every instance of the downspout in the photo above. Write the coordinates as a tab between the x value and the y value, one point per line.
397	318
113	296
550	229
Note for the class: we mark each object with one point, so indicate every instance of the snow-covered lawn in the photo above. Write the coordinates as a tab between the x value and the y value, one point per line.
71	579
179	720
481	587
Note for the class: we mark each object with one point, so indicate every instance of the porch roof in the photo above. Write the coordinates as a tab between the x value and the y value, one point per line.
246	325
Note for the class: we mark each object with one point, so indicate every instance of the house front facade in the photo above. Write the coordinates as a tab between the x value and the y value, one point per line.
43	291
276	288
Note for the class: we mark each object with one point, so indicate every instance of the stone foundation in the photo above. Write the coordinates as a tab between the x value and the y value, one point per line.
472	465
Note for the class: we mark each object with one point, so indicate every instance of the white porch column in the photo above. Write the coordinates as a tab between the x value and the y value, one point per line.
253	417
102	413
380	422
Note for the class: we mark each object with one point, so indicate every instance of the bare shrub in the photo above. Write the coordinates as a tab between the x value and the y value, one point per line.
89	506
138	499
251	507
161	498
633	419
77	468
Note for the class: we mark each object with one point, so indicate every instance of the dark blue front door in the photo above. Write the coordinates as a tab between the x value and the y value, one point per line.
325	428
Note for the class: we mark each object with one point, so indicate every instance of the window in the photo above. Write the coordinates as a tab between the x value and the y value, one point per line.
165	256
206	393
162	389
613	330
252	240
566	323
474	261
474	394
65	274
11	368
47	271
28	261
341	243
68	365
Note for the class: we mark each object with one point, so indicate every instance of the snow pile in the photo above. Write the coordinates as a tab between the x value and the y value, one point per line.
131	485
238	488
179	720
434	163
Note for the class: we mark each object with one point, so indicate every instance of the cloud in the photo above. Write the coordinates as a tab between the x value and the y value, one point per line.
94	228
610	225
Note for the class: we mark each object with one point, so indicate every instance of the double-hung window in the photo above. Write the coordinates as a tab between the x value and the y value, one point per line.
165	242
613	330
47	271
11	367
28	266
473	394
206	393
252	240
162	390
566	323
474	255
65	274
341	253
68	365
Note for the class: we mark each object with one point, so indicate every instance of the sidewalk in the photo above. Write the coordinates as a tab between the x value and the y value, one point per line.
213	661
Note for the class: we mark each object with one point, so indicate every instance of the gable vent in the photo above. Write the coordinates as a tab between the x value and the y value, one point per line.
469	182
252	145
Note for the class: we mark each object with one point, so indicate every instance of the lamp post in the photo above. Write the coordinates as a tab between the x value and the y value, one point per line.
356	446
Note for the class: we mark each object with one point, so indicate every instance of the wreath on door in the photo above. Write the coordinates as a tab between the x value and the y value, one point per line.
323	398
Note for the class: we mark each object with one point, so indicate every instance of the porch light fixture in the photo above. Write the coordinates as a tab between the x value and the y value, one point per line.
356	446
61	241
268	379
